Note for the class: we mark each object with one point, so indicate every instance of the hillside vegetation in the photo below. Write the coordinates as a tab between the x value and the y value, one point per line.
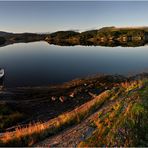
106	36
125	122
8	116
10	38
2	40
118	116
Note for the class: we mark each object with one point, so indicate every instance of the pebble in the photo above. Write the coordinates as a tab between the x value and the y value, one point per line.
72	95
53	98
61	99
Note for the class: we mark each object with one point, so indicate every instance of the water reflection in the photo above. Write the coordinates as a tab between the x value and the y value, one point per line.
38	63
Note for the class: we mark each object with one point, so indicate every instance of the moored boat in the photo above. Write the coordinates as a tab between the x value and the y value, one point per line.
2	73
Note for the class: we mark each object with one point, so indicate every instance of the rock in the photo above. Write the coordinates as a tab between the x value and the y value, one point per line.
62	99
71	95
53	98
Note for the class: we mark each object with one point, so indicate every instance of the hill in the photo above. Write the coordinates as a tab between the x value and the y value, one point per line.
114	116
11	38
2	33
118	119
106	36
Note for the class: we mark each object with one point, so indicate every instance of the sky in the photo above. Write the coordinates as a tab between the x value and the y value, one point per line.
51	16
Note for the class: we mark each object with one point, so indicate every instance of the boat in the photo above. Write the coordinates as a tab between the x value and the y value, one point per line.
2	73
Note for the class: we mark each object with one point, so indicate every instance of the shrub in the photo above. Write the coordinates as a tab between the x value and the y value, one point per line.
2	40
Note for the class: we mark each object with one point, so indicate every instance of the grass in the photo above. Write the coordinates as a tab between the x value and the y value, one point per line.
35	132
125	122
8	116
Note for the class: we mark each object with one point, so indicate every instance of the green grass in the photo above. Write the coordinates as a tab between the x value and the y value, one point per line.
8	116
125	122
121	122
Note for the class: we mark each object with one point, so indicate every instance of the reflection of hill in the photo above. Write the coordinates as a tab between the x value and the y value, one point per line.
10	38
107	36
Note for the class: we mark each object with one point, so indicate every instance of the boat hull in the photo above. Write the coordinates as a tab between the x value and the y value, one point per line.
2	75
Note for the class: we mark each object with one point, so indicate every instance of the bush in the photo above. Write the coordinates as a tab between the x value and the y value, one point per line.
2	40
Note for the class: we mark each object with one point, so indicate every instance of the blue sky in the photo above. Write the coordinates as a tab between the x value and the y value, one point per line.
50	16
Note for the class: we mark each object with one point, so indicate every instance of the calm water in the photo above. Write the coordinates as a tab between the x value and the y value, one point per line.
38	63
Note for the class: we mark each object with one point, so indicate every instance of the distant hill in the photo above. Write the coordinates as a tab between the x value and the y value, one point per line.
10	38
106	36
2	33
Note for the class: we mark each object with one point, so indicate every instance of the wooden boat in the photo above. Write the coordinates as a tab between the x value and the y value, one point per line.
2	73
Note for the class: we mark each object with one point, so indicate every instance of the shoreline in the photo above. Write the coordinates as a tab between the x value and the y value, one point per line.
46	100
70	104
41	103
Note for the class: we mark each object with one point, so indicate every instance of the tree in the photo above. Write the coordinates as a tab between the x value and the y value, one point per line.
2	40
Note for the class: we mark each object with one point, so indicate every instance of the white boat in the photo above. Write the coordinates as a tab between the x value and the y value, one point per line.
2	73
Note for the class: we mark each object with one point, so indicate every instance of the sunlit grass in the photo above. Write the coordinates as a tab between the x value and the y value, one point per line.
34	132
116	124
125	122
8	116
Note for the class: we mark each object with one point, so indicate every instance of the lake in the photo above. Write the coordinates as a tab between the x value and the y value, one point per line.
39	64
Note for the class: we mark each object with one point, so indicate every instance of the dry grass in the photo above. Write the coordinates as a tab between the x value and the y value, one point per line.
124	123
34	132
128	86
8	116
